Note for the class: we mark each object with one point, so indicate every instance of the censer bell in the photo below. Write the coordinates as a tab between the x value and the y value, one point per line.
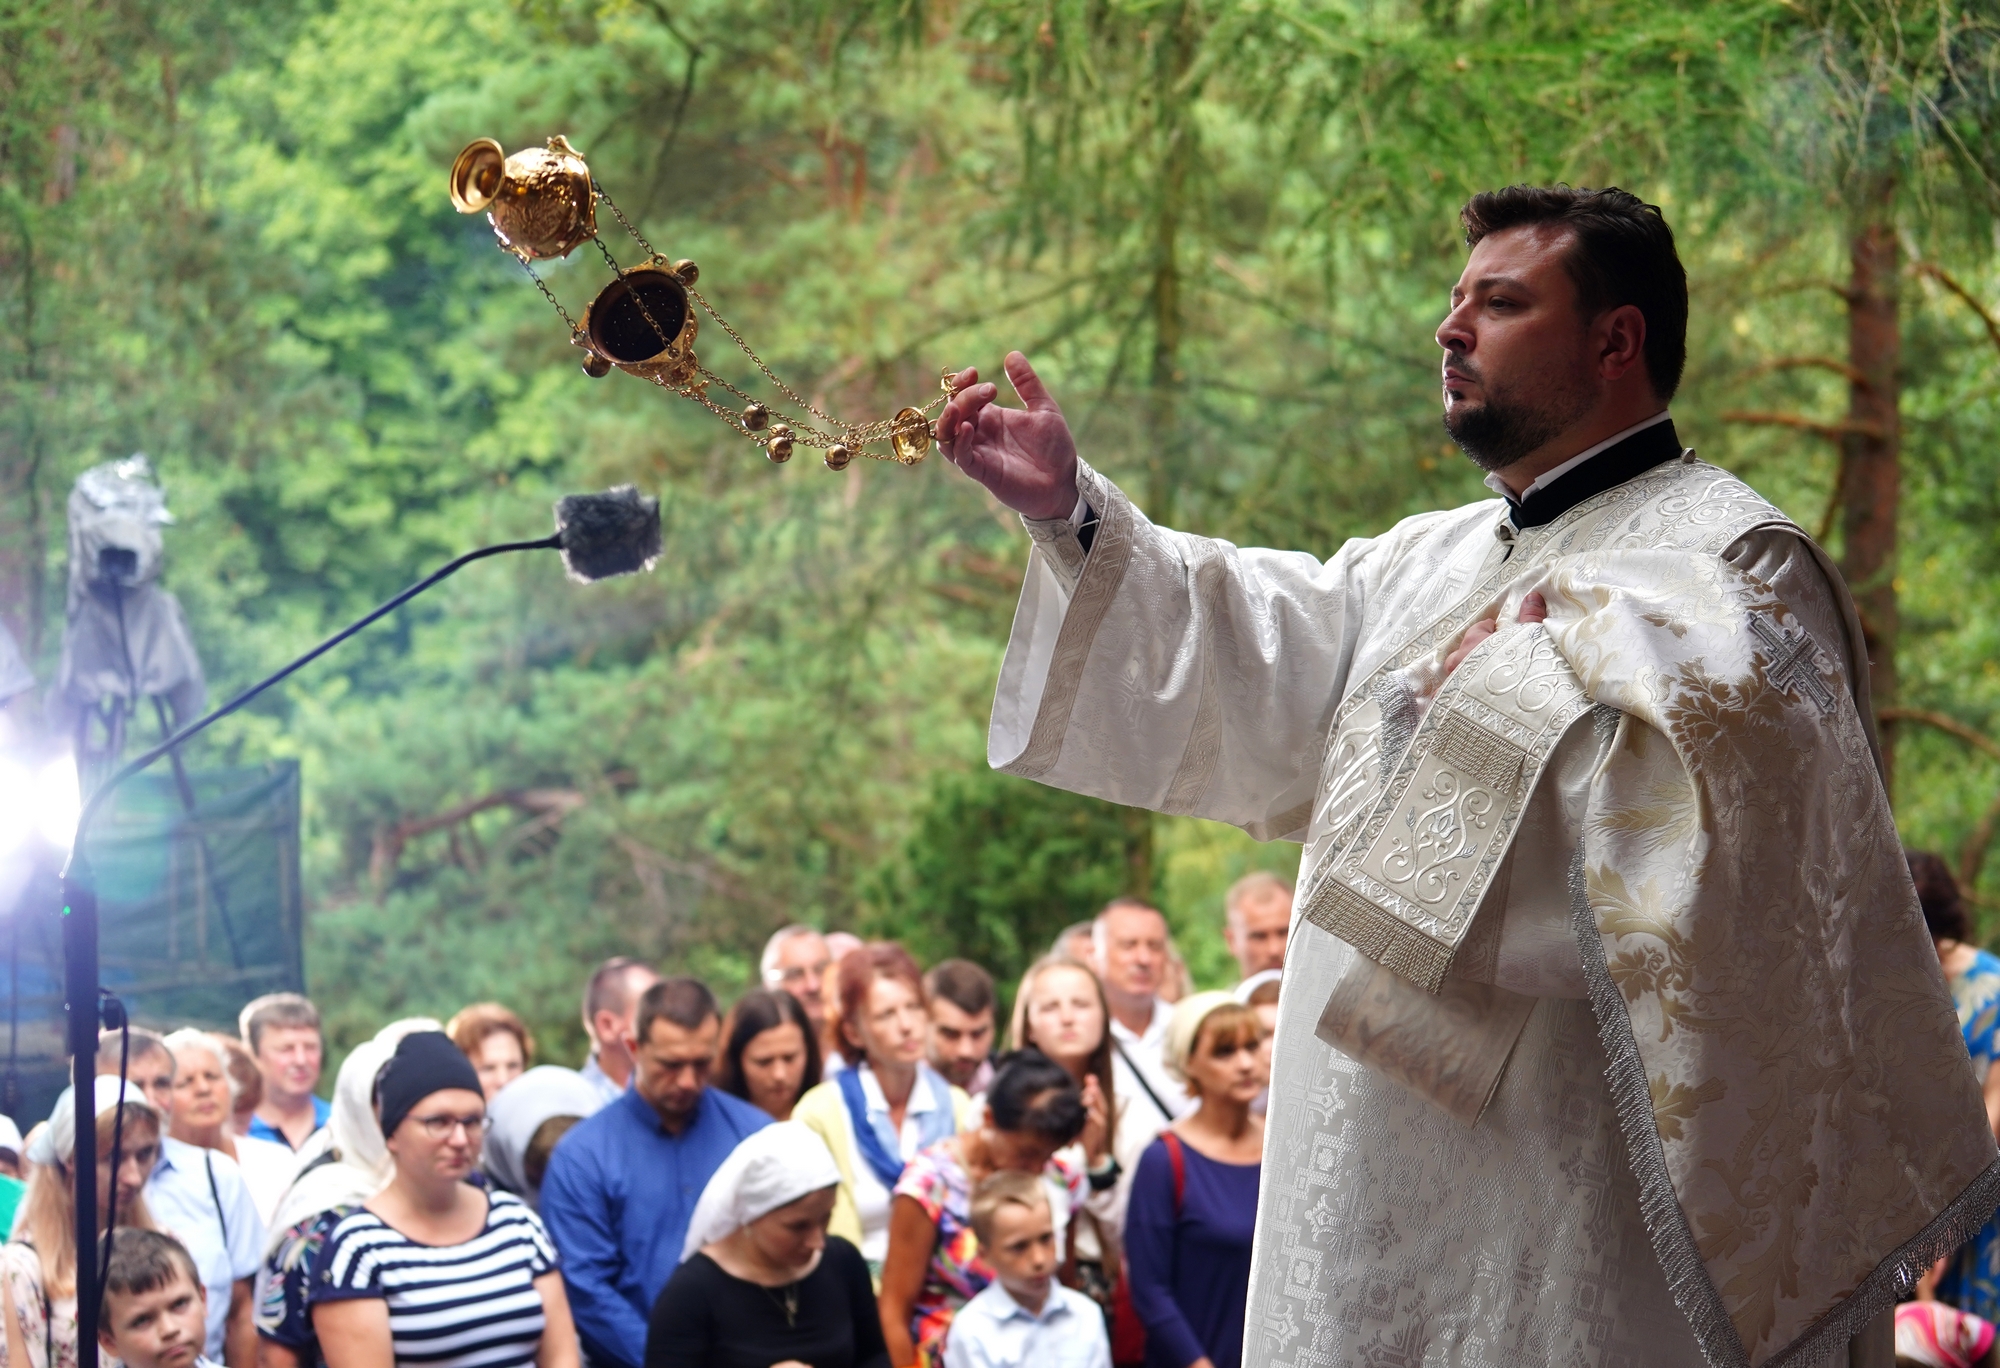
542	203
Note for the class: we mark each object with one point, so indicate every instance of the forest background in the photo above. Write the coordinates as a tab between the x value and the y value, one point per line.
1225	232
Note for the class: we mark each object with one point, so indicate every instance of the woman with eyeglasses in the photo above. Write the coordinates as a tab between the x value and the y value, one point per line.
431	1269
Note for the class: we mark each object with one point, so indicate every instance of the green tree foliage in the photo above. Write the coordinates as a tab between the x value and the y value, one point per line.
997	866
1224	230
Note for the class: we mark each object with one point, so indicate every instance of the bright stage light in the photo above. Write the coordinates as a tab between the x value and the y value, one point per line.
59	800
17	805
38	804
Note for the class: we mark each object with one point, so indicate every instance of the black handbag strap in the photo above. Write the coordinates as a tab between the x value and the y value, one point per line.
1144	1086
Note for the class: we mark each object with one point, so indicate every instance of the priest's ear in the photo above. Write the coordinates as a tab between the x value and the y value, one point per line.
1618	337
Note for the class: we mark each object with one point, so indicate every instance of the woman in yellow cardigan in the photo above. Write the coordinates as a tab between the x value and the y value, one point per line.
887	1104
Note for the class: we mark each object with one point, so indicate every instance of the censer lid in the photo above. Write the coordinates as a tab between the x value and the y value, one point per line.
476	175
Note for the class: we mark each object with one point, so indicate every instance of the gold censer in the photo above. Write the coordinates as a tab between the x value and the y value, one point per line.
542	203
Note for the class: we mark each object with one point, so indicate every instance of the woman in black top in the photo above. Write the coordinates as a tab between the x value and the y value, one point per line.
761	1284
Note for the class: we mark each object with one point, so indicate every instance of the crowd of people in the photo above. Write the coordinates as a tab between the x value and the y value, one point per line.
857	1164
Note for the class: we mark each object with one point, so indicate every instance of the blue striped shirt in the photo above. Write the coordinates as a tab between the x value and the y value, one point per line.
471	1305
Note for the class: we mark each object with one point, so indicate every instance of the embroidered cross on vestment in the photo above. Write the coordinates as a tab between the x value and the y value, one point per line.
1794	661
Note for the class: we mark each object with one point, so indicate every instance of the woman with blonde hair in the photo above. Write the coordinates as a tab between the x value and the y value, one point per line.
38	1266
1061	1011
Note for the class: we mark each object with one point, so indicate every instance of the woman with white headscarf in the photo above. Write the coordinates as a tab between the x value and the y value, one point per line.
761	1284
352	1166
526	1118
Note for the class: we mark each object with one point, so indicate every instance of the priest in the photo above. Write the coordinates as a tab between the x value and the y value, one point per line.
1610	1031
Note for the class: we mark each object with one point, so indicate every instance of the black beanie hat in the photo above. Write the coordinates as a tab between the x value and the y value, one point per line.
425	1062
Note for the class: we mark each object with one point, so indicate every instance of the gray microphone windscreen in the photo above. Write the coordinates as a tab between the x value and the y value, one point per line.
613	533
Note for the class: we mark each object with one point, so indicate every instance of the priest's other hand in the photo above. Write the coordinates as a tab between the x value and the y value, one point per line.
1025	457
1534	608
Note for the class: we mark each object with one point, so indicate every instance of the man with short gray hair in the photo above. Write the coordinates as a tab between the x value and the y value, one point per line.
283	1036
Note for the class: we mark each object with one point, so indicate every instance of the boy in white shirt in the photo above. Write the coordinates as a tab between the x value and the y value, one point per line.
155	1308
1024	1316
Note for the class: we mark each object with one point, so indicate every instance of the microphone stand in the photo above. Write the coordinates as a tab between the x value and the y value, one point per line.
89	1004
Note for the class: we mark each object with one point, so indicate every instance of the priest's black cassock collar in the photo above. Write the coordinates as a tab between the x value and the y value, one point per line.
1608	469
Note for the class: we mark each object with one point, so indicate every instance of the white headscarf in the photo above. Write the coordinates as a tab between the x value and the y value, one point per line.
55	1143
360	1165
543	1092
1243	991
1184	1026
773	1167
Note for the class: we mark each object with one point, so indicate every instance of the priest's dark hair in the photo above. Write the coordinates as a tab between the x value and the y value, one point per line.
1621	252
1937	894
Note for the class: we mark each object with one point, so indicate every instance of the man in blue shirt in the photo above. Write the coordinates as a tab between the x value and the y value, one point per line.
283	1035
622	1185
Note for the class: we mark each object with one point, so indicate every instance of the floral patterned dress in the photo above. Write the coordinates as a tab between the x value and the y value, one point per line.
1973	1281
284	1311
47	1329
958	1272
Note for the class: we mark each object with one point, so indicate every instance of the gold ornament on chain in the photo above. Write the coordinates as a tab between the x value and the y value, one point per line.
542	203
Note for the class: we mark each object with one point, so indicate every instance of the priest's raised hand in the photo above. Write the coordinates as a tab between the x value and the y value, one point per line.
1025	457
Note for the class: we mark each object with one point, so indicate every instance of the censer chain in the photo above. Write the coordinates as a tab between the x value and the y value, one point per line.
547	293
855	436
626	223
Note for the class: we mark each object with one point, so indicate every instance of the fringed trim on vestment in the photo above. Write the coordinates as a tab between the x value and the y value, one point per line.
1625	1072
1881	1289
1389	941
1666	1223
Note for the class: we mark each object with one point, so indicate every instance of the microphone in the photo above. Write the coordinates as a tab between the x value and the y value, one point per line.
600	536
613	533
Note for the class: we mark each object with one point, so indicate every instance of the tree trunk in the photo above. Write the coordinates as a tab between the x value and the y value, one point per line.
1139	853
1870	469
1174	146
23	553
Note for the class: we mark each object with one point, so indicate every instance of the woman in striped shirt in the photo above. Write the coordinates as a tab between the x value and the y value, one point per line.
432	1271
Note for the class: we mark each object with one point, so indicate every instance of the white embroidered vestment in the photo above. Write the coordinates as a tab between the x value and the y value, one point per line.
1659	1066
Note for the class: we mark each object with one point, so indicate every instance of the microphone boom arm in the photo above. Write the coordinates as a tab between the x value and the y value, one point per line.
79	919
201	724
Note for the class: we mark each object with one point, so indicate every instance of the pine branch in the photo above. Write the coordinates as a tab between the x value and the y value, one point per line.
1851	374
1943	277
1833	432
1943	722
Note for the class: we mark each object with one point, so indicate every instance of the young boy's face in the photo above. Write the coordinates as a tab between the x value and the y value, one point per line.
164	1328
1023	1250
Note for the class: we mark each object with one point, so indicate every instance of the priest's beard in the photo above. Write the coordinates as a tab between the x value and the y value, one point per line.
1512	423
